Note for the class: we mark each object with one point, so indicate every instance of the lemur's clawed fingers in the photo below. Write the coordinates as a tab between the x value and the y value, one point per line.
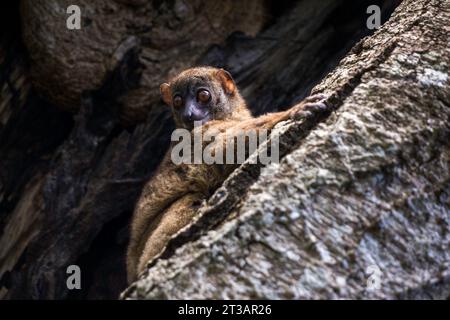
311	106
315	107
316	98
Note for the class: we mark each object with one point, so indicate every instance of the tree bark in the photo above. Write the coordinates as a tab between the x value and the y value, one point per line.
359	206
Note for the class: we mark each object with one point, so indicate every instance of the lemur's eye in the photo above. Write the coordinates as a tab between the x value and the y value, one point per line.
177	102
203	96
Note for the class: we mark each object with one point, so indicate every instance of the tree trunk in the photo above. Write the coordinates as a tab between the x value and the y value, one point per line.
359	206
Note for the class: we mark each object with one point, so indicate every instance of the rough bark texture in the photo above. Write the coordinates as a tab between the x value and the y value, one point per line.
364	188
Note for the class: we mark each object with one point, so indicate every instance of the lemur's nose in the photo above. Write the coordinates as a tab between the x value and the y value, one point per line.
187	115
191	115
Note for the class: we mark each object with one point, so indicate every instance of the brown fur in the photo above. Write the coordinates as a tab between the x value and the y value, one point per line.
170	199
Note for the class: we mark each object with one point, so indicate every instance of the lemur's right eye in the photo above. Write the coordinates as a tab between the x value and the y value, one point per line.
177	102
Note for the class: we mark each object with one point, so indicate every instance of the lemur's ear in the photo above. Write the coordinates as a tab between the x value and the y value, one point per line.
227	81
165	93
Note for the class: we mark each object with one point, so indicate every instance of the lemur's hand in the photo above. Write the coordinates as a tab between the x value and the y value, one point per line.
310	107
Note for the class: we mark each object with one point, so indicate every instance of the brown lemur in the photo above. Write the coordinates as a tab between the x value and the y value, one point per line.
170	199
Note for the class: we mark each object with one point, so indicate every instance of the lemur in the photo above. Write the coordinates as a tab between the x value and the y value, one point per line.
169	201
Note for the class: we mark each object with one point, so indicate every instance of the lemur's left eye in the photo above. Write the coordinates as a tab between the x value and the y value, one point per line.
203	96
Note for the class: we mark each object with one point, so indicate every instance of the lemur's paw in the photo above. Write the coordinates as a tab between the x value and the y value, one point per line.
316	98
311	106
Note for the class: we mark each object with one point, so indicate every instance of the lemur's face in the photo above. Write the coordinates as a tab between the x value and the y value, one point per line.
193	100
199	95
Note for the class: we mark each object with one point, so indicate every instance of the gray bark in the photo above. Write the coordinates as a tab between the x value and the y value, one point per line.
360	193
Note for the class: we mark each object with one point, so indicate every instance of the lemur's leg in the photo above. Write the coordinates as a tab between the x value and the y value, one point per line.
172	220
